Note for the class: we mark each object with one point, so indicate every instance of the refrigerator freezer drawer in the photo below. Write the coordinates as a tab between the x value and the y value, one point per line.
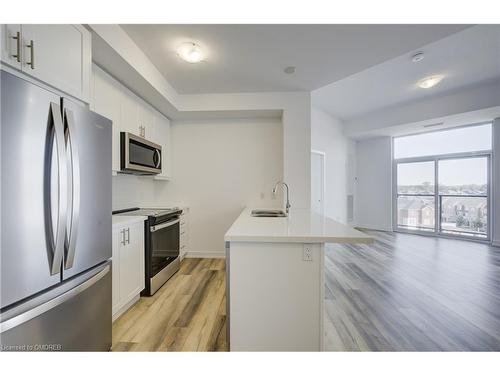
77	320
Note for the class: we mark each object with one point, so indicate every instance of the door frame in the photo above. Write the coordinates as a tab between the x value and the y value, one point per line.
322	155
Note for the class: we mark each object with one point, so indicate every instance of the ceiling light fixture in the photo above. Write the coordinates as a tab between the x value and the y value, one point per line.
429	82
190	52
289	70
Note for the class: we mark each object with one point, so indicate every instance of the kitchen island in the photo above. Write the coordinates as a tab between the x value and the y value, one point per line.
275	279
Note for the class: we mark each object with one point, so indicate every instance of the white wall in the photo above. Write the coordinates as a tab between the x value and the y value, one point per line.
220	167
327	136
496	183
373	207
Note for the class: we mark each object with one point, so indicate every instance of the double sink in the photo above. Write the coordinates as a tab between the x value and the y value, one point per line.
268	213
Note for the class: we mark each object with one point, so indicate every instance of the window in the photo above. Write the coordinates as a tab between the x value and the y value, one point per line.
442	182
461	140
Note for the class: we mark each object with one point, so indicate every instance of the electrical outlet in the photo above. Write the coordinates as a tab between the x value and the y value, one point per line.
307	253
262	196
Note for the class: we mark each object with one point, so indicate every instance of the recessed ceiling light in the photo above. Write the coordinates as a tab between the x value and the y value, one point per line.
429	82
289	70
190	52
419	56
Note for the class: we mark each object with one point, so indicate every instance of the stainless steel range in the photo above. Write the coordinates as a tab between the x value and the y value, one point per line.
161	236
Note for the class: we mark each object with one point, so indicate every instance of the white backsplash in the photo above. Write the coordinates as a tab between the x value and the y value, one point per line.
133	191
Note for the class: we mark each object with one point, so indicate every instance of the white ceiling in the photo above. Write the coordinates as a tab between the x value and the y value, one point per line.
469	58
251	58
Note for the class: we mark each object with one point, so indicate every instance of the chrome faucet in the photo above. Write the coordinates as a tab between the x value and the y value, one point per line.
287	196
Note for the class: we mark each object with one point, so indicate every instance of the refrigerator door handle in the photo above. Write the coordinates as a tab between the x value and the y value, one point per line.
73	187
44	307
58	243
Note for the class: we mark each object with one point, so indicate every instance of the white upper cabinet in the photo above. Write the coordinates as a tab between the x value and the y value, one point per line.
146	125
11	44
131	114
106	102
57	55
162	137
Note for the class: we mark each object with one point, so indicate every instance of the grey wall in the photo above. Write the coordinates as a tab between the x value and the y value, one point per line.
373	205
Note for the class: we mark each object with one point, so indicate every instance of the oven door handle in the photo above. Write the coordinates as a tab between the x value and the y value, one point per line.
154	228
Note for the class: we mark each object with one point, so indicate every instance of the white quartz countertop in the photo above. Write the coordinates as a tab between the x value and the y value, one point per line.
300	226
120	220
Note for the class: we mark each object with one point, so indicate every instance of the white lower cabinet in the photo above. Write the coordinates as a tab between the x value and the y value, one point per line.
128	266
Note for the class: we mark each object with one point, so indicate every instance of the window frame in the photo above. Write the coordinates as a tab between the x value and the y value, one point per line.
482	123
437	219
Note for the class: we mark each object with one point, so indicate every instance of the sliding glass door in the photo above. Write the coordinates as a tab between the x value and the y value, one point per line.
463	196
442	183
457	205
416	203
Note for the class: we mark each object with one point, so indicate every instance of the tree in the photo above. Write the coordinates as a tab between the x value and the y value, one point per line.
478	223
460	221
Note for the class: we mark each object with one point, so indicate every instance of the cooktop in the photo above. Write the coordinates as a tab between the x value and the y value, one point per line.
150	212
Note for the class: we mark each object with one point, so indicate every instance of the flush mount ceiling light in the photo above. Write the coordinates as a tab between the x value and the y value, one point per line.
289	70
429	82
190	52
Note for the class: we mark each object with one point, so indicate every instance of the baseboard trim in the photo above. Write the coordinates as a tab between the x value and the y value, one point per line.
495	243
206	254
125	307
368	227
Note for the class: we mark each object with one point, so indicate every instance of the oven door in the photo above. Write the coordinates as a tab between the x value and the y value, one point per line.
164	245
138	155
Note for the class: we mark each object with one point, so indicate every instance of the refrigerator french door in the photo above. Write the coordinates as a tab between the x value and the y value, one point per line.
56	231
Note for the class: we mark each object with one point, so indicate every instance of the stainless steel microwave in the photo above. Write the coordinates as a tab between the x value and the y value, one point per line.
138	155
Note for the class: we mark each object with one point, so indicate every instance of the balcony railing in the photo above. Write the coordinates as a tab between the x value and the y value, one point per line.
459	214
465	215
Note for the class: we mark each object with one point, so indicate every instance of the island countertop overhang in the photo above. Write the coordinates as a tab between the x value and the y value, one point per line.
301	226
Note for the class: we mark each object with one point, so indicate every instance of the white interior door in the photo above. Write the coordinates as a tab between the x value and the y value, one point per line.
317	181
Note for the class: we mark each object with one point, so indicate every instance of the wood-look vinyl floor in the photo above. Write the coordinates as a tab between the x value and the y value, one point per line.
187	314
403	293
412	293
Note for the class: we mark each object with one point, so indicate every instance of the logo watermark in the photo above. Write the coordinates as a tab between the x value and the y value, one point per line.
31	348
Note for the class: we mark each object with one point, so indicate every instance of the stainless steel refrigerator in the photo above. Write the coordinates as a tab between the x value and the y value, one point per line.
55	221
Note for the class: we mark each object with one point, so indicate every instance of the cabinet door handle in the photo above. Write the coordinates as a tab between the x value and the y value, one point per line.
123	237
17	38
128	235
31	46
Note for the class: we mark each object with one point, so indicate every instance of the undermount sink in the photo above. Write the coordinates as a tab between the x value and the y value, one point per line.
268	213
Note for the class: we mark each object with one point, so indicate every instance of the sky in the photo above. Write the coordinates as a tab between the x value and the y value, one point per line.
451	172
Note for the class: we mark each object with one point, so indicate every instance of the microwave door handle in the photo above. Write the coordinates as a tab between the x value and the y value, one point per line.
158	158
154	228
74	187
58	243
